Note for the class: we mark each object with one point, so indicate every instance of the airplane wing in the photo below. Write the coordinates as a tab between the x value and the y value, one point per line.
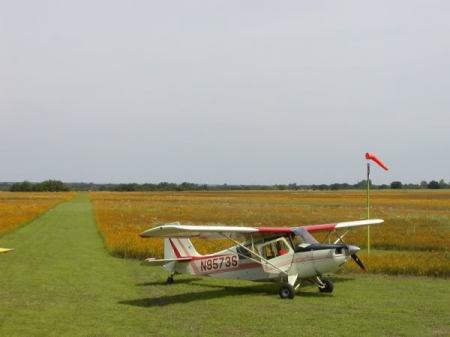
5	250
340	225
175	229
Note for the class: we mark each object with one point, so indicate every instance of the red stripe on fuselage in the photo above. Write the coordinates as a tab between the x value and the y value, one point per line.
252	265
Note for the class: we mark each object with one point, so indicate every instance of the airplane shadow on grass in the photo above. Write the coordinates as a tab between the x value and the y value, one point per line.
259	289
160	283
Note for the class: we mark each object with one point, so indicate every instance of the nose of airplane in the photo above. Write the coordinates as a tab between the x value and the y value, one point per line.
352	249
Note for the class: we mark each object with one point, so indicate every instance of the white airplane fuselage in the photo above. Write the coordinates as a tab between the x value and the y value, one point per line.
232	264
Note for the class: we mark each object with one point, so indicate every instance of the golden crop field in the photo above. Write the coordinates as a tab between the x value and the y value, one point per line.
414	239
19	208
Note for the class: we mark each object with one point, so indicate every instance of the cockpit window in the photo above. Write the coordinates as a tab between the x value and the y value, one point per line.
296	240
302	236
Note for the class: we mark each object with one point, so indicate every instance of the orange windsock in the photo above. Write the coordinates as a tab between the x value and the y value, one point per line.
371	156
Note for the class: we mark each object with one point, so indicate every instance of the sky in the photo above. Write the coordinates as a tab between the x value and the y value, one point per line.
236	92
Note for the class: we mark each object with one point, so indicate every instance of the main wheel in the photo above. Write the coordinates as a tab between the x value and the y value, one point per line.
286	291
328	286
169	280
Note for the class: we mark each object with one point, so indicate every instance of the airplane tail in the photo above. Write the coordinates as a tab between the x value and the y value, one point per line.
175	248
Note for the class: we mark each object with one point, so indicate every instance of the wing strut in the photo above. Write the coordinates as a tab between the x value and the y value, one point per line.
340	238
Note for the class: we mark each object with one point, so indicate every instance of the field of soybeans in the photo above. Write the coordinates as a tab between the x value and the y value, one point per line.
19	208
414	240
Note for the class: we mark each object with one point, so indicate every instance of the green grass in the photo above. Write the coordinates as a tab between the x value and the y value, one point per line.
60	281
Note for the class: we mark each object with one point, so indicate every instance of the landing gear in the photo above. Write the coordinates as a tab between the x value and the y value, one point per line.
327	286
169	280
286	291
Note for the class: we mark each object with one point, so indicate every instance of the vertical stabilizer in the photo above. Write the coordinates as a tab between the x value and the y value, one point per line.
176	248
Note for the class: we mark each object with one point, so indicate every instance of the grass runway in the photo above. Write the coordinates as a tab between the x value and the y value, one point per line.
60	281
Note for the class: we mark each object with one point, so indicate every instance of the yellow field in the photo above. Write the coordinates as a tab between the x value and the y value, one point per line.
414	239
19	208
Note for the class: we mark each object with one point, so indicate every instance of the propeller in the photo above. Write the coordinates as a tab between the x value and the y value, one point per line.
358	262
352	252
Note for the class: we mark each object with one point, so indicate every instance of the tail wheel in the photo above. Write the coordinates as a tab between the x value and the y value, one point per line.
169	280
286	291
328	286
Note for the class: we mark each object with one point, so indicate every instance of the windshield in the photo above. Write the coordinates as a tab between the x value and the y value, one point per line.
303	236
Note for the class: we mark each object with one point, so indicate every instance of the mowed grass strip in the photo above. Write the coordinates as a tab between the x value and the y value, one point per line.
415	221
19	208
60	281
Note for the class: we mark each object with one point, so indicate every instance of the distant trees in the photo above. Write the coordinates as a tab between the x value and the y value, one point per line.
25	186
395	185
163	186
186	186
443	184
436	185
45	186
433	185
56	186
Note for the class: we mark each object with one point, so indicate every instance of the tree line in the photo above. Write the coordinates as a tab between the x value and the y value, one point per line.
45	186
59	186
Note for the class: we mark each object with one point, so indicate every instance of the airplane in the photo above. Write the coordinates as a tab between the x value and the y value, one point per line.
288	255
5	250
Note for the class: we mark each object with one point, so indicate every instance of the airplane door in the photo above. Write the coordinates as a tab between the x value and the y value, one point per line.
278	255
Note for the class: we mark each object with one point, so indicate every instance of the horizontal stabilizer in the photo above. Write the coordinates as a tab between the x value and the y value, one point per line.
160	262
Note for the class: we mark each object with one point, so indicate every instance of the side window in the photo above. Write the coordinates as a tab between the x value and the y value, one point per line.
274	249
268	251
282	247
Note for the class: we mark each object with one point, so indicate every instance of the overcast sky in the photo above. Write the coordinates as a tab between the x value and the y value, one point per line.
224	91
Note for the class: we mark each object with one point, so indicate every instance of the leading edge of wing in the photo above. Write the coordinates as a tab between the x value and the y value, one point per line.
338	225
175	229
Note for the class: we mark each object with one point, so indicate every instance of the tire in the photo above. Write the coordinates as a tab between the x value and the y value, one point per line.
169	280
286	291
328	286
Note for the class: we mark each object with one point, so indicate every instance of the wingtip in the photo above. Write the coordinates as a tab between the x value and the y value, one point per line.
144	234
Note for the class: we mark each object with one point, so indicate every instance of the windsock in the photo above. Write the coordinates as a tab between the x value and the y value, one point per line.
371	156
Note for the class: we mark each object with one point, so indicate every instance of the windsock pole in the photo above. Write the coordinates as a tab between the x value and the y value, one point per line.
371	156
368	207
